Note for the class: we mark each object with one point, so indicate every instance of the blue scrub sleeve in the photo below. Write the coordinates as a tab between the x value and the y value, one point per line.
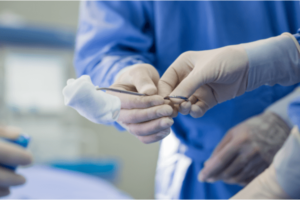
111	36
297	36
294	111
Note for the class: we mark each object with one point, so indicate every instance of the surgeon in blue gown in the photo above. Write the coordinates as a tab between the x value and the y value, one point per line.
115	35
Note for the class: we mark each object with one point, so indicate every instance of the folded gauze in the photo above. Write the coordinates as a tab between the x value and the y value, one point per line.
95	105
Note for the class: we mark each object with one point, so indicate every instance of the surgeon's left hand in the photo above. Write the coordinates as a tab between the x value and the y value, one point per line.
149	118
246	150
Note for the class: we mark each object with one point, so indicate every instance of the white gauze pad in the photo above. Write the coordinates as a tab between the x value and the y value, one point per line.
95	105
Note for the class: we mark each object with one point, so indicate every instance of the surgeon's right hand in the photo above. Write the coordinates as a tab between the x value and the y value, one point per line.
149	118
206	78
214	76
11	155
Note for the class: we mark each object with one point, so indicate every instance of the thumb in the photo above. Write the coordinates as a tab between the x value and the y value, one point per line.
145	79
182	77
168	82
188	85
145	85
177	71
9	132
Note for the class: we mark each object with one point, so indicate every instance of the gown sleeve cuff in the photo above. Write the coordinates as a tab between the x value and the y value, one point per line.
297	36
280	107
267	58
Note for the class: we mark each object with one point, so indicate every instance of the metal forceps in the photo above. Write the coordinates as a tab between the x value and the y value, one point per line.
138	94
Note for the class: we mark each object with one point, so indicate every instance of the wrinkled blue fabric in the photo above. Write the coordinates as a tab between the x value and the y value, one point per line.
297	36
113	35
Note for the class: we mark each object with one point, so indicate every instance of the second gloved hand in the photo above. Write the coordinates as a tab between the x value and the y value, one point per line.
146	117
246	150
282	179
214	76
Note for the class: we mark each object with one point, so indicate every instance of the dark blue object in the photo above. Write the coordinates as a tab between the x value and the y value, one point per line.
22	140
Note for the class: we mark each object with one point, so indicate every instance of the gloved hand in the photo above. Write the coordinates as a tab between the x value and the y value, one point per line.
11	154
148	118
282	179
246	150
265	186
214	76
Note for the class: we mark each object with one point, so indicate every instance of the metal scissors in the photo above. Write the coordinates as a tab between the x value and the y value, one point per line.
138	94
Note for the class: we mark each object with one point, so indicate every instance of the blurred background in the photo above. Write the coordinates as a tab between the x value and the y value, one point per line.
36	55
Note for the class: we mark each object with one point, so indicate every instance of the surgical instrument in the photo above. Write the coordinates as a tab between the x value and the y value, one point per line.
138	94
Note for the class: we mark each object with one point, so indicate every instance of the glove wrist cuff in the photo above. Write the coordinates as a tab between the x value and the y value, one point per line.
286	164
273	61
265	186
294	39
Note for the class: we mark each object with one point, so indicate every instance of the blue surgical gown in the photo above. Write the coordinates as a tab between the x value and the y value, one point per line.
113	35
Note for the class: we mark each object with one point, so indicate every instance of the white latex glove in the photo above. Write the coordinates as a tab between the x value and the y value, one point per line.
95	105
148	118
286	164
282	179
11	155
214	76
246	150
265	186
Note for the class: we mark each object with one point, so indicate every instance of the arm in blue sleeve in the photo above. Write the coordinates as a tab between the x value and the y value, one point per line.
297	36
111	36
294	111
280	107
